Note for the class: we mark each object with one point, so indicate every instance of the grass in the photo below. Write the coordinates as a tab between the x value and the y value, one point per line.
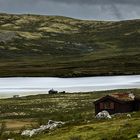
109	130
76	109
33	45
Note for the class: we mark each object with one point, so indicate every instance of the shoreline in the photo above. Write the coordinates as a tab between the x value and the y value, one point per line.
26	94
76	76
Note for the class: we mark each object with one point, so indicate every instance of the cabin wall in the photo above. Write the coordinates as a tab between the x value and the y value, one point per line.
98	107
137	105
118	107
124	107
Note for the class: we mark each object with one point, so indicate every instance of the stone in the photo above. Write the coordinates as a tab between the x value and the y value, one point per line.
50	126
129	115
103	115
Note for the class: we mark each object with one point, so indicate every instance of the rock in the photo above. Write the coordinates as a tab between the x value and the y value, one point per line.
54	124
10	139
88	121
50	126
103	115
26	133
129	115
50	122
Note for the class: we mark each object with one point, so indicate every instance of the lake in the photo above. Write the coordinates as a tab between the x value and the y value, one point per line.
34	85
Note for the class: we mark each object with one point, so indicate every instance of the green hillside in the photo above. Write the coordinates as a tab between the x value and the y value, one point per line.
77	110
33	45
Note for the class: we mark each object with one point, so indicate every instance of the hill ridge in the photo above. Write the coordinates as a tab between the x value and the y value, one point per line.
35	45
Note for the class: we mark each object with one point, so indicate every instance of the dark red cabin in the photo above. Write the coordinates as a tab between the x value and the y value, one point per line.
118	103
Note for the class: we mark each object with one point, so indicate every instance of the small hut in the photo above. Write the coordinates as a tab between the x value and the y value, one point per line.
15	96
118	103
52	91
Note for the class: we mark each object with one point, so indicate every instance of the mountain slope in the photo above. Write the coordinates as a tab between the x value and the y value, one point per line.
33	45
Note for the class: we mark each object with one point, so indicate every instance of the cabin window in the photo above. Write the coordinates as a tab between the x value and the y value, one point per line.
107	105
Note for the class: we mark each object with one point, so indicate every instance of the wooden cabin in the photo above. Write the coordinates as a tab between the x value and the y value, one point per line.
52	91
15	96
118	103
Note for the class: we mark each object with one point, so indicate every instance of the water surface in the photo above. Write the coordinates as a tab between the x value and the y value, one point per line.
34	85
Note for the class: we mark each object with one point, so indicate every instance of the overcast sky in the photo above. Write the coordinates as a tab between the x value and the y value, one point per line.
83	9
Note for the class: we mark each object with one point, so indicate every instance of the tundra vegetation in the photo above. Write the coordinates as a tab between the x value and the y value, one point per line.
33	45
77	110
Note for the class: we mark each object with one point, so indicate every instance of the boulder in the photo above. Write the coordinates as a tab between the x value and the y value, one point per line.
103	115
27	133
54	124
50	126
129	115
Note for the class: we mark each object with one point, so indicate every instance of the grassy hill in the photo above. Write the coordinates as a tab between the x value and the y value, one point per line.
76	109
33	45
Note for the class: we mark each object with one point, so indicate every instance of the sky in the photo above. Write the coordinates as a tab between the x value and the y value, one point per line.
81	9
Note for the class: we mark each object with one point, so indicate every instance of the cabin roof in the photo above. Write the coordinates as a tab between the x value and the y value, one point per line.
124	96
118	97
